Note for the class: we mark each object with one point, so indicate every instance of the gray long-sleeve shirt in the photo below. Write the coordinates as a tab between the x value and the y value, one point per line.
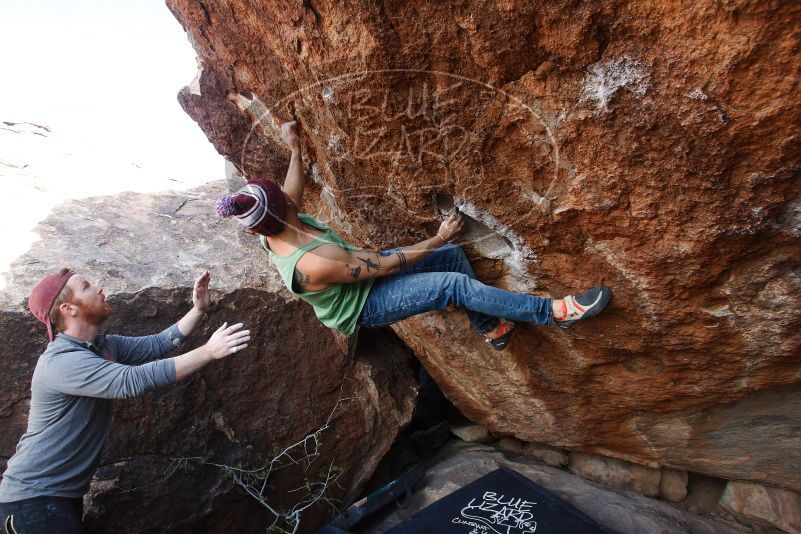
70	415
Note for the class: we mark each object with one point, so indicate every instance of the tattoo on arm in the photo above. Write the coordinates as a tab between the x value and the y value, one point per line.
354	272
370	264
299	279
401	259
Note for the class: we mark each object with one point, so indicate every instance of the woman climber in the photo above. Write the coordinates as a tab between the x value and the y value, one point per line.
349	286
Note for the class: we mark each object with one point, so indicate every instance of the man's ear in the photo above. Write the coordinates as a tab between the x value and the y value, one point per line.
68	309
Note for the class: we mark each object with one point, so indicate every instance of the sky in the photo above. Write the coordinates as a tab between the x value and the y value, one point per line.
104	74
103	77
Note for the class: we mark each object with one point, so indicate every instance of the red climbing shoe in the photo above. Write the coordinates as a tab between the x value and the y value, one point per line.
500	340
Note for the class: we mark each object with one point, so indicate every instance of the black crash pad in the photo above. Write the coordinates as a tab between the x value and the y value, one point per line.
501	502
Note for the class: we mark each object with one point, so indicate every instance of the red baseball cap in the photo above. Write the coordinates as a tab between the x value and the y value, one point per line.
44	295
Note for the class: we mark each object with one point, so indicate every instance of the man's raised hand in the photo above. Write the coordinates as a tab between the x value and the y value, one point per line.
201	298
227	340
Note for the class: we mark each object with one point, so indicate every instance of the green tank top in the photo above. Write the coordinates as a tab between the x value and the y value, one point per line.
338	306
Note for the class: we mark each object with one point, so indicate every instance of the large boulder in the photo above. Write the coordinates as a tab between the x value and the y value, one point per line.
160	472
648	146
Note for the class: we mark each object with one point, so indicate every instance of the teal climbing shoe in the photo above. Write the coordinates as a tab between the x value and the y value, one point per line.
589	303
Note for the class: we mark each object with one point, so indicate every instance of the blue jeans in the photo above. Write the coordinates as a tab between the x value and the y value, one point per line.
42	515
442	278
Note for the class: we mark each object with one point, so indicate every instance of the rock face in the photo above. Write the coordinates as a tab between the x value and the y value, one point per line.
549	455
471	433
648	147
616	473
146	251
773	507
673	485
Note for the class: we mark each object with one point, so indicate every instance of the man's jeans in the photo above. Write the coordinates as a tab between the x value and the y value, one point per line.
42	515
442	278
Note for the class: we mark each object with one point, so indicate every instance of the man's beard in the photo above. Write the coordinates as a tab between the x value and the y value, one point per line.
95	315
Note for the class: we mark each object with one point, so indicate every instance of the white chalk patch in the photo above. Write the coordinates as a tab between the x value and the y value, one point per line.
718	311
335	144
515	257
605	78
534	197
329	96
792	217
316	174
697	94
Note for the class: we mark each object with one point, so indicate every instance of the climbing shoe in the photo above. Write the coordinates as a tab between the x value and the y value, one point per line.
505	330
589	303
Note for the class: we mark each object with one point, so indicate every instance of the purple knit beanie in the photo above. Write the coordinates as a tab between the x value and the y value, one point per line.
260	206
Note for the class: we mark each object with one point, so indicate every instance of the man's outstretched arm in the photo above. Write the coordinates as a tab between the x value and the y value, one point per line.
143	349
84	373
